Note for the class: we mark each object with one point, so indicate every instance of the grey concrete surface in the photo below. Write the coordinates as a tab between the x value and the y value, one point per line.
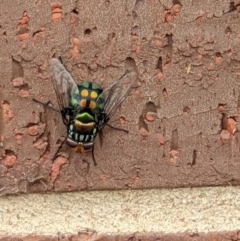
168	211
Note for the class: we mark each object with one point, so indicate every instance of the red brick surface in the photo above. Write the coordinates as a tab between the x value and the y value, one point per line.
183	113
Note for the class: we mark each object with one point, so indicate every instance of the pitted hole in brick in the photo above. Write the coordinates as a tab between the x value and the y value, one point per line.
150	106
4	36
42	117
134	14
218	54
75	11
135	8
176	2
143	127
24	87
232	6
7	111
38	31
137	4
228	30
134	28
30	125
168	48
224	121
151	111
165	93
111	36
17	69
222	108
10	158
169	40
193	235
142	123
174	140
47	138
87	31
232	124
23	30
9	152
159	64
60	140
130	63
5	102
194	157
107	3
186	109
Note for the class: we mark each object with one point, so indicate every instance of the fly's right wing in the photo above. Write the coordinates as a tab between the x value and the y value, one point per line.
65	87
116	93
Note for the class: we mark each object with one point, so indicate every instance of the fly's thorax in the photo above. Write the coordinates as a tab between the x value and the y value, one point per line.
91	98
84	122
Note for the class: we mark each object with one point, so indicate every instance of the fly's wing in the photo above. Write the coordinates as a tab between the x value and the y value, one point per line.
64	86
116	93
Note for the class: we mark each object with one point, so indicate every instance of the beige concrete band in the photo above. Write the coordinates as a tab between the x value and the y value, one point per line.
168	211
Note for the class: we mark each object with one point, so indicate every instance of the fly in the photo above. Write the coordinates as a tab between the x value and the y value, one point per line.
86	108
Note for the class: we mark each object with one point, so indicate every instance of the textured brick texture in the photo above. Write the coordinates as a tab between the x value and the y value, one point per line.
182	115
225	236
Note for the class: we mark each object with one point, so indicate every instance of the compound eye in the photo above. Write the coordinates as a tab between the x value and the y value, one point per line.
88	146
72	143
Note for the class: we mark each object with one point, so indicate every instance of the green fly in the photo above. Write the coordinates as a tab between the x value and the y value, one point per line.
86	108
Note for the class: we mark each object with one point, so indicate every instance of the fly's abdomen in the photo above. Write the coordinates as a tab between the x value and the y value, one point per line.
89	94
82	138
82	132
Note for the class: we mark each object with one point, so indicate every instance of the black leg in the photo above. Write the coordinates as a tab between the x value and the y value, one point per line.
45	105
94	160
55	155
116	128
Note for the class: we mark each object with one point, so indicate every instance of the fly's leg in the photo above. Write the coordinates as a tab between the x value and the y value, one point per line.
116	128
64	112
55	155
104	121
93	157
45	105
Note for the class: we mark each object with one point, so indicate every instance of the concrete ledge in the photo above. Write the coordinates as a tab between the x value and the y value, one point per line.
214	209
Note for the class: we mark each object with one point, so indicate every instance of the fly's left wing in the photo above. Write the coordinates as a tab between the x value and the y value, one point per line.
64	86
116	93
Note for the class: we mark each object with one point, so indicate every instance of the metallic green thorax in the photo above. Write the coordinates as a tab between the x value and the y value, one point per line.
87	102
80	102
85	117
